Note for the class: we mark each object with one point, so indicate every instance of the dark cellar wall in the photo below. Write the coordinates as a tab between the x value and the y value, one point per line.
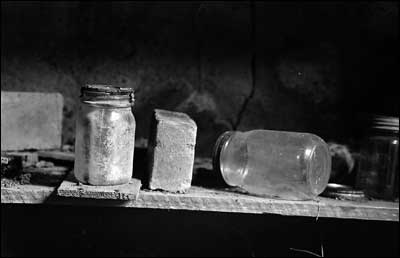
318	65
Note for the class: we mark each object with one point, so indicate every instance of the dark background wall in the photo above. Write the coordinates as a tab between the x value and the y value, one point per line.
317	65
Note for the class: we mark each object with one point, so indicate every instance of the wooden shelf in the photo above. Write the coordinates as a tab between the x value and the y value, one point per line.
216	200
204	195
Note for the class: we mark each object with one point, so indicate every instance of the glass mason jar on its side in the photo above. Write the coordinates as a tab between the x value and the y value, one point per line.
378	173
287	165
105	135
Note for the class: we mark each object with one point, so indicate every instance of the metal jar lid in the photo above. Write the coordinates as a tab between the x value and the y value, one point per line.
343	192
387	123
93	92
104	89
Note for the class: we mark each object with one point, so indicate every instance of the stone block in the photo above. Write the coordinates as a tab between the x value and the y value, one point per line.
172	141
31	120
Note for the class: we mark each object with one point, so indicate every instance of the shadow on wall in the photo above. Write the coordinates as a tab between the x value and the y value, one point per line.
311	61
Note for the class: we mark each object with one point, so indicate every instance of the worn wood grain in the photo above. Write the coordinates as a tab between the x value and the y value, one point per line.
223	201
216	200
29	194
55	170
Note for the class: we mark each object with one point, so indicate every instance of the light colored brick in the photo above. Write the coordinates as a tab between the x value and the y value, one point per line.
31	120
171	151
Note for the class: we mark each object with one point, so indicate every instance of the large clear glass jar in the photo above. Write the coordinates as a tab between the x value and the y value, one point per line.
105	135
378	173
287	165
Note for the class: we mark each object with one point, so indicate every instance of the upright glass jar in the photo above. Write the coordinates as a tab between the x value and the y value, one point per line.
287	165
105	135
378	173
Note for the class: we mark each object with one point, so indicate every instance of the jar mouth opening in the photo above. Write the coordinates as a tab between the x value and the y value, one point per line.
219	147
319	163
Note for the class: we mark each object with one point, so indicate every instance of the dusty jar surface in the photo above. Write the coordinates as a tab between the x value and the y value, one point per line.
286	165
105	135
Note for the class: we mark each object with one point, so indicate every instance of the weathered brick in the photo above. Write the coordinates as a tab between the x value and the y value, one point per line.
31	120
171	151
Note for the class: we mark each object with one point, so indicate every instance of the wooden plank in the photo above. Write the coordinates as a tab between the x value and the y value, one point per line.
58	155
29	194
29	158
70	187
221	200
224	201
53	171
42	184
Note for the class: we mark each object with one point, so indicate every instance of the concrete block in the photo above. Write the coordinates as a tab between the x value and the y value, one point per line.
171	151
31	120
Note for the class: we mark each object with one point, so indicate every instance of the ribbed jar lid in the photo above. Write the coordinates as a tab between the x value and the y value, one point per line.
216	156
386	123
106	89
